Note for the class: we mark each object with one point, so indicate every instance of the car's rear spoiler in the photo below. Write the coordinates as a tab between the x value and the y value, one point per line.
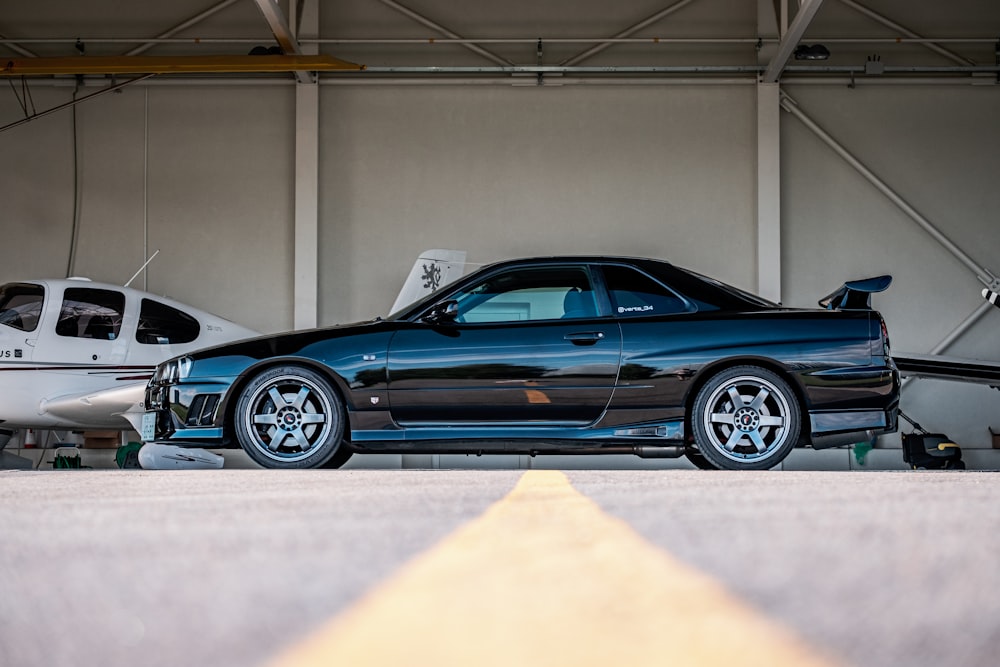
856	294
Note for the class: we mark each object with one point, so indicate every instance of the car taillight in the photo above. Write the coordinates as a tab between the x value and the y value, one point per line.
885	339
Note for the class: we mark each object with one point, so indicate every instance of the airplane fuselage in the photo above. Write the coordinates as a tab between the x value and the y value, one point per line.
76	354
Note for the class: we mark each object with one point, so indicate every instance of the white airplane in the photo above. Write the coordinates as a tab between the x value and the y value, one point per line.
77	354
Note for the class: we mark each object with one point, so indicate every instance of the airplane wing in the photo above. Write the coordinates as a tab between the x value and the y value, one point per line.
432	270
948	368
938	367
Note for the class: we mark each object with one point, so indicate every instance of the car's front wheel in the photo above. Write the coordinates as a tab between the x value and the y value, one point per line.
289	417
746	418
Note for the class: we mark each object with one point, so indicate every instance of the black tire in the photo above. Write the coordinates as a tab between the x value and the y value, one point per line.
698	460
746	418
289	417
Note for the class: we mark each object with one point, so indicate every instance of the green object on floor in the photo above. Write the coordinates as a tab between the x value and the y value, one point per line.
127	456
67	458
861	450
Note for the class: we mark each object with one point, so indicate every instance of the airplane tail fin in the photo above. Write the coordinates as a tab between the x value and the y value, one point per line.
432	270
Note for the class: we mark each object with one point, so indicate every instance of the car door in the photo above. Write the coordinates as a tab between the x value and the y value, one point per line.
523	345
661	339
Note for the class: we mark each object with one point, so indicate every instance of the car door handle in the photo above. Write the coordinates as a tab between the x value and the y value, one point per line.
584	337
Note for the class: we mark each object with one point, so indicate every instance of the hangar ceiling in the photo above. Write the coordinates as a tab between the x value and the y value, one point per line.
521	41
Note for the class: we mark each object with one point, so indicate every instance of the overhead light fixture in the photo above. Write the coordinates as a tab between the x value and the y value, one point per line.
811	52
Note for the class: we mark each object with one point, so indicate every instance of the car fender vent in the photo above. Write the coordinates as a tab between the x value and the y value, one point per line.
202	410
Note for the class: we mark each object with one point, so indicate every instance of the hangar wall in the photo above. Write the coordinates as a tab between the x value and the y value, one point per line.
508	172
666	171
204	174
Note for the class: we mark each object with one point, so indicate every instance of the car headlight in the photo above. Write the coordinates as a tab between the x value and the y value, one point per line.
172	371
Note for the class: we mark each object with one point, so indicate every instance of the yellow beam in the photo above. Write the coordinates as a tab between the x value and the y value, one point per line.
171	65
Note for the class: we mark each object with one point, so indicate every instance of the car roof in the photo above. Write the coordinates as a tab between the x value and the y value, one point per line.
705	292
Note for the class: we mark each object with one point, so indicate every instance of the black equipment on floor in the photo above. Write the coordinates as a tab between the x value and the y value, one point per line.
923	450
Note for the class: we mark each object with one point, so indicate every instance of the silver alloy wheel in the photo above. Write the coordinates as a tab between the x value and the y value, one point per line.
288	418
749	420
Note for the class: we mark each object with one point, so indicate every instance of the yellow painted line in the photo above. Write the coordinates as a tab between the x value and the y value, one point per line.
545	577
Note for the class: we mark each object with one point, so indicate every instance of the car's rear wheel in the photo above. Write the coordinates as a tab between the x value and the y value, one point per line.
746	418
289	417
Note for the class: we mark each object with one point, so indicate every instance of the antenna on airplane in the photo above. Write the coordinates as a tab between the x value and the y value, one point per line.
142	268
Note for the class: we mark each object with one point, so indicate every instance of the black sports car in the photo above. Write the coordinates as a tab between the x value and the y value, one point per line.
574	355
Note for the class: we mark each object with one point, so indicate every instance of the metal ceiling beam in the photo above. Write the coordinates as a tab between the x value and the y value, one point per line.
428	23
892	25
194	20
432	41
98	65
279	26
283	34
708	70
170	65
17	48
631	30
807	10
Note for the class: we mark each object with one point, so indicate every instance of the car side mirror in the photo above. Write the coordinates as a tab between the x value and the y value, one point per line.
443	313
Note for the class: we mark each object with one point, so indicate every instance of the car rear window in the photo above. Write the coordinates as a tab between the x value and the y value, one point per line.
634	294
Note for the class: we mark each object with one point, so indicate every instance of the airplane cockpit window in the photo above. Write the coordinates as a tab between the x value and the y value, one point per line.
91	313
21	305
160	324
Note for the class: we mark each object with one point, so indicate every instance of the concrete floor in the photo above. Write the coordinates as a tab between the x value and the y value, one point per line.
233	567
800	459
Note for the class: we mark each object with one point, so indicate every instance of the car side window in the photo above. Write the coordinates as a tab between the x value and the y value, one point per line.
21	305
543	293
634	294
91	313
160	324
